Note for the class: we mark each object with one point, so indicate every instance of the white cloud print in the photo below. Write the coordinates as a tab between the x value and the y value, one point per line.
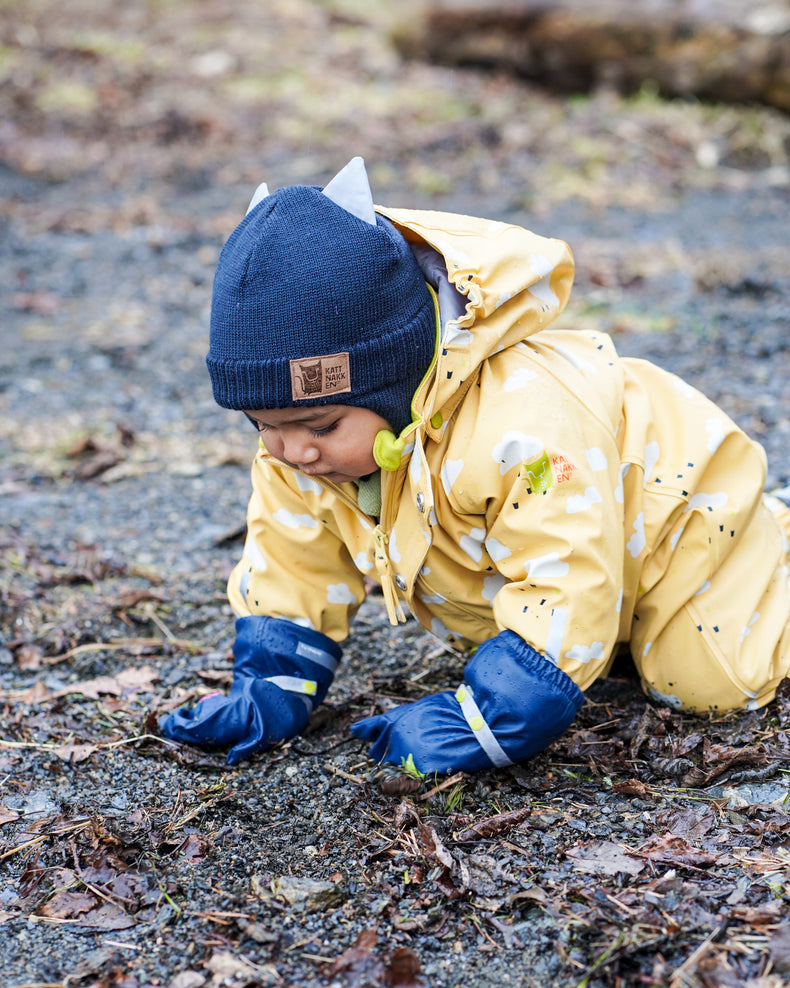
472	544
586	653
546	567
638	541
583	502
596	458
340	593
451	470
703	500
496	550
516	448
492	585
519	379
362	562
291	520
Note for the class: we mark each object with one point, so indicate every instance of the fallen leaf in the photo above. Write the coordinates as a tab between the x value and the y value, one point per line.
453	877
108	917
28	657
225	966
126	682
403	968
37	693
779	948
604	858
688	823
68	905
400	785
187	979
675	852
73	754
493	826
632	787
7	815
193	847
770	912
359	962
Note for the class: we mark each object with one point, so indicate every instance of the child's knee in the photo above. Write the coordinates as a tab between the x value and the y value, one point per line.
685	668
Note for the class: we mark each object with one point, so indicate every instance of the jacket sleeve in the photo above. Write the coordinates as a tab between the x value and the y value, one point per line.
295	565
542	496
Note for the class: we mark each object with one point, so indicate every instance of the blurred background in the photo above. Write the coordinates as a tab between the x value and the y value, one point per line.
654	138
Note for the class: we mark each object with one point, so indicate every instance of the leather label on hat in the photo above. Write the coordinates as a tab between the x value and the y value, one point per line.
320	377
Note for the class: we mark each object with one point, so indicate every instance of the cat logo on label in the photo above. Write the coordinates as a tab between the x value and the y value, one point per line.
318	377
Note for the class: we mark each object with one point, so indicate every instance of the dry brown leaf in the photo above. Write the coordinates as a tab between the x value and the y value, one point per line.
603	858
403	968
126	682
493	826
75	753
68	905
29	657
193	847
675	852
359	961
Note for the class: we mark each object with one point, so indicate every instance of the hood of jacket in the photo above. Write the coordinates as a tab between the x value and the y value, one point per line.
497	285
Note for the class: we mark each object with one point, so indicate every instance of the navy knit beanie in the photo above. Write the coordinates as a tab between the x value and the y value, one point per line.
313	305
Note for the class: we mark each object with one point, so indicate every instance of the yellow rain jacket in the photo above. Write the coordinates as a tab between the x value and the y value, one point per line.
546	486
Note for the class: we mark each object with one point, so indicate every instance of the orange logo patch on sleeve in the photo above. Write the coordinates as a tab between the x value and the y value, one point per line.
563	469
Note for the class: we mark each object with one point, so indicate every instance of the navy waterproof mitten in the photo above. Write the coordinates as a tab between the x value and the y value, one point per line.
512	704
281	673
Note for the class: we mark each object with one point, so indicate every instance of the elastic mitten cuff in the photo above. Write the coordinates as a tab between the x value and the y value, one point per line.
273	647
512	704
281	673
527	701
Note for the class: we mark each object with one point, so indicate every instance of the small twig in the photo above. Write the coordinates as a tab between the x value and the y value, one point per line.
678	975
451	781
481	931
43	746
42	837
599	961
151	614
509	934
356	779
182	643
218	915
139	737
42	984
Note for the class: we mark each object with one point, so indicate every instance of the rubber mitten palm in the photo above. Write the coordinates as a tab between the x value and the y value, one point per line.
281	673
512	704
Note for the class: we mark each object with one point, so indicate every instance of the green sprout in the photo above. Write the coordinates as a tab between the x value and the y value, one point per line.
409	768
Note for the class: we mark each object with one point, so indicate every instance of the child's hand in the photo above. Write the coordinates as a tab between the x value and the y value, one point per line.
513	703
282	672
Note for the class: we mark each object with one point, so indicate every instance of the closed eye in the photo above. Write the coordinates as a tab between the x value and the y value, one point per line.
324	431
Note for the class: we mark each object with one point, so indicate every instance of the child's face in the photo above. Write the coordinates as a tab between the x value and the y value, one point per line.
332	441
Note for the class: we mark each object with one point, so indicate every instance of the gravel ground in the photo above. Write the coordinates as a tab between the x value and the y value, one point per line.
128	862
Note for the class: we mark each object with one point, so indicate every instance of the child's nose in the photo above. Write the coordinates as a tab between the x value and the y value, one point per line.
299	448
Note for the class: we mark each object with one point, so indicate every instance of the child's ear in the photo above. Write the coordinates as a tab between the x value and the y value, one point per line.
350	189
